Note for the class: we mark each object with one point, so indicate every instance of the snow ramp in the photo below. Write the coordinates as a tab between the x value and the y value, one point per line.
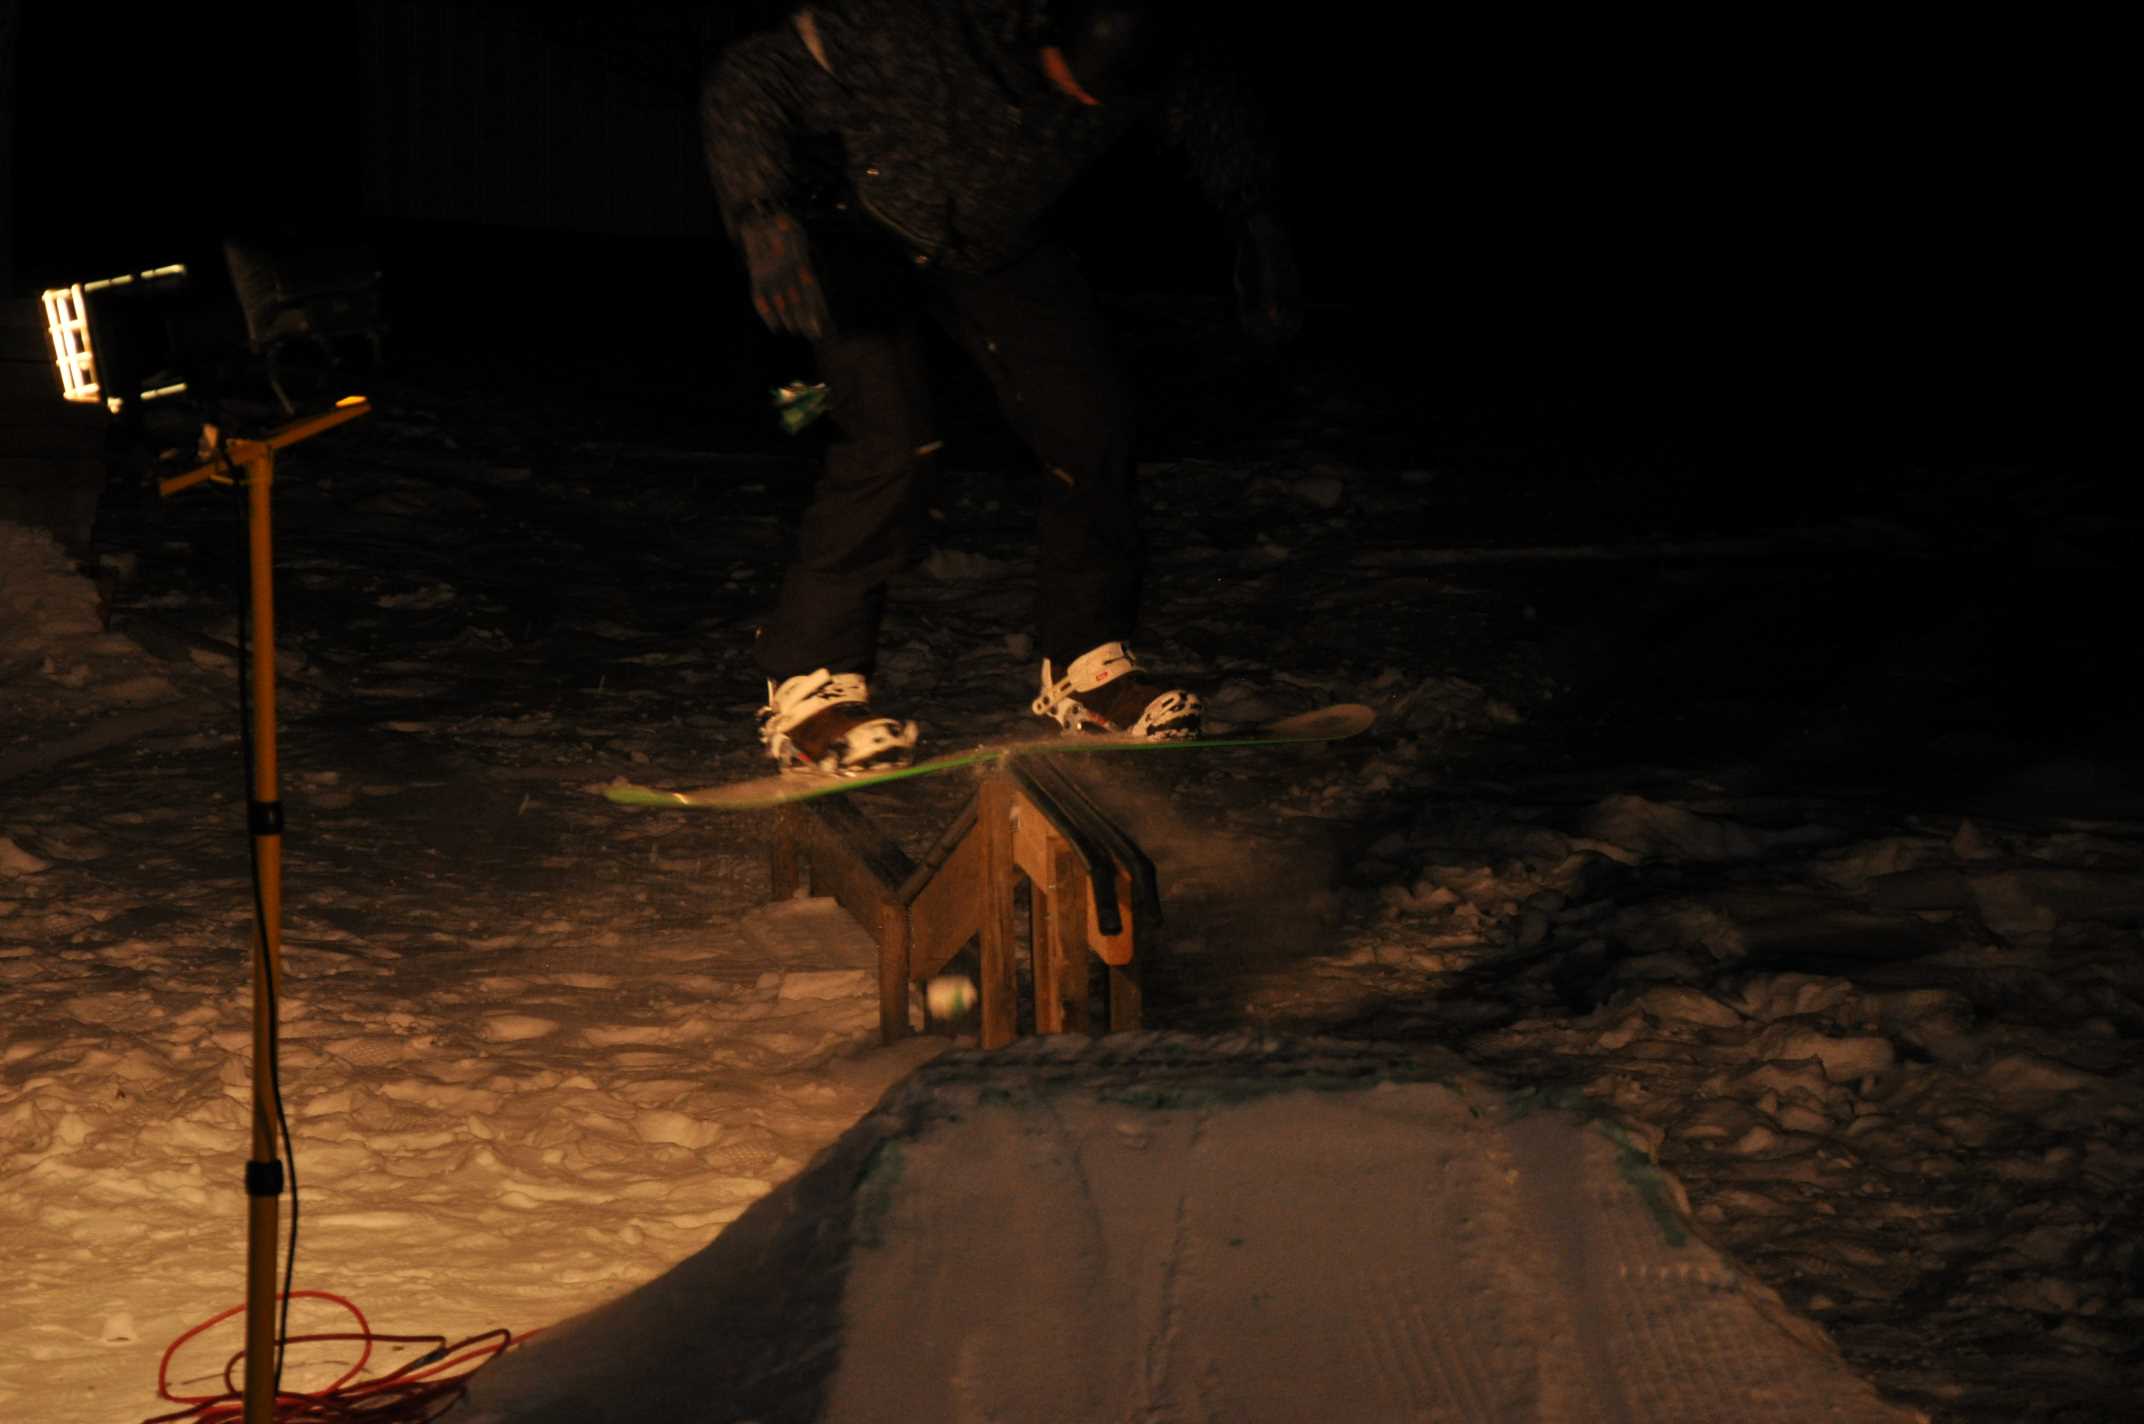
1159	1226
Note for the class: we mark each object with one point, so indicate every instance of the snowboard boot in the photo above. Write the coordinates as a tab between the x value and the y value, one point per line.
1102	693
822	722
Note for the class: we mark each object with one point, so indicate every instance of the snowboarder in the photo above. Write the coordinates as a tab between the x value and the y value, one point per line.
882	161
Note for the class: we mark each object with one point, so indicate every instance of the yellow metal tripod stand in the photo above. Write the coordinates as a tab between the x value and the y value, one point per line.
254	462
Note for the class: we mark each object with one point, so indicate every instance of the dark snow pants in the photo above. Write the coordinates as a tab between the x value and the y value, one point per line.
1034	329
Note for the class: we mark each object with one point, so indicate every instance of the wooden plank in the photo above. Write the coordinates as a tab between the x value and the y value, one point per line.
837	872
838	822
1057	944
893	977
1033	838
784	873
1071	946
949	840
1127	1000
1129	892
851	860
1085	829
948	911
999	988
1041	949
1061	945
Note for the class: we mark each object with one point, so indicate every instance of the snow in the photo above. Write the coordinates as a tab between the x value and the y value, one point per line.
1234	1228
1876	1048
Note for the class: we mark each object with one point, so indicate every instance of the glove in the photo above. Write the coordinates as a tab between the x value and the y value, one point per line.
784	287
1269	295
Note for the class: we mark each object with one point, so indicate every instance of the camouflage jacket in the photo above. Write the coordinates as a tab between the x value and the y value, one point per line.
934	118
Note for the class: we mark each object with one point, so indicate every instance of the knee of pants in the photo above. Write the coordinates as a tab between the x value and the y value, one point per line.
891	462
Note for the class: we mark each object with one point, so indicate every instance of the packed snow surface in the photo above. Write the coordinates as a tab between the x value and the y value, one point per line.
1163	1226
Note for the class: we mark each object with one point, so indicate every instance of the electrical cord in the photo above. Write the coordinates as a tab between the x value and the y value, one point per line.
415	1392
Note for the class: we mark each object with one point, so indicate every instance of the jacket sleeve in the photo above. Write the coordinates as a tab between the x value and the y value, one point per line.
1211	115
753	101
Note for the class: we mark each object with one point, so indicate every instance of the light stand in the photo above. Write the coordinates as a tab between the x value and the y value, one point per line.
255	459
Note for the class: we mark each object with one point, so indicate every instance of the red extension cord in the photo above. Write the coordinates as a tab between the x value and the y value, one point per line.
412	1393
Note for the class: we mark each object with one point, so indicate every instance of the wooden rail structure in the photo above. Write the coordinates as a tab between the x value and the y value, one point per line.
1090	891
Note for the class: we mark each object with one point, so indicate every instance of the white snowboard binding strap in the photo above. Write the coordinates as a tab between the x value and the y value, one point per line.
1102	693
823	722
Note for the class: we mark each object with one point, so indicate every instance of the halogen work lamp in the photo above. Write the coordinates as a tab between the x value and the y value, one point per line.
109	339
299	322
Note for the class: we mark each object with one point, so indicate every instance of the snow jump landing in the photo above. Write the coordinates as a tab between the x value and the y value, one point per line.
1148	1226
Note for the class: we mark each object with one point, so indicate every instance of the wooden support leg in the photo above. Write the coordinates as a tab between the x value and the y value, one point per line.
1127	989
1042	954
893	942
846	858
1127	998
1061	946
784	875
1074	957
1000	987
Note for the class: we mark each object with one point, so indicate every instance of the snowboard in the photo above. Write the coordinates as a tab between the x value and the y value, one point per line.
1327	724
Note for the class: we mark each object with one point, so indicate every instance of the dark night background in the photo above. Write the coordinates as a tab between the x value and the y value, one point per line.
1770	234
1701	277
